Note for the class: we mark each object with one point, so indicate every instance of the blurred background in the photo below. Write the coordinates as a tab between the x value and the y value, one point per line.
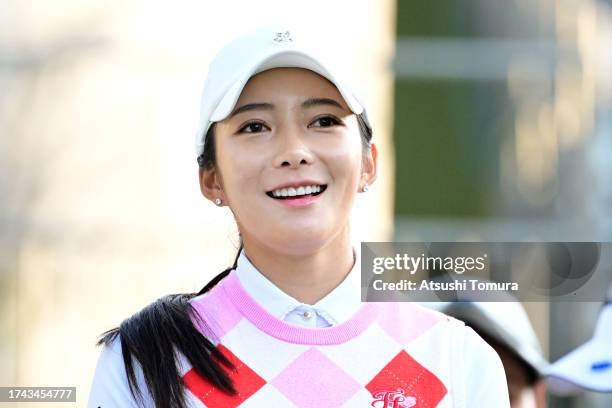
493	119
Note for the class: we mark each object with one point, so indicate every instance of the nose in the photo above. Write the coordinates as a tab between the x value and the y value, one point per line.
293	152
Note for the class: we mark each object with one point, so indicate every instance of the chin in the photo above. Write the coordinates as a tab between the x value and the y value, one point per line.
300	244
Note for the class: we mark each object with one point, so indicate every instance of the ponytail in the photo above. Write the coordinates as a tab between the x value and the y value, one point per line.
157	334
220	276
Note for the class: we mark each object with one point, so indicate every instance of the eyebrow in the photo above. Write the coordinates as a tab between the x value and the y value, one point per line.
309	103
320	101
250	107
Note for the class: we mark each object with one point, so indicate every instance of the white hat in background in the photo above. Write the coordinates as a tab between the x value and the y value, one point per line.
590	365
256	51
505	322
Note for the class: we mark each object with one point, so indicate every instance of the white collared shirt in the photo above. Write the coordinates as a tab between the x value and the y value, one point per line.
336	307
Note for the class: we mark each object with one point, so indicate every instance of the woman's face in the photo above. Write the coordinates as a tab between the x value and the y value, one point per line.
289	161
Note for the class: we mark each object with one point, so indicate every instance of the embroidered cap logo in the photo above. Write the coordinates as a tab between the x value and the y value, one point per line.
283	36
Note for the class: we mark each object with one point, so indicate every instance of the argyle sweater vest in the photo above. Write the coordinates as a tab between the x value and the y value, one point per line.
386	355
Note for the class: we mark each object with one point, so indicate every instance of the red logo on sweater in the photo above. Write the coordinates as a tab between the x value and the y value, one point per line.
421	388
392	399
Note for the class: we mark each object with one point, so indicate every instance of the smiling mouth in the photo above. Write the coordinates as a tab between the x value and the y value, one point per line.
297	192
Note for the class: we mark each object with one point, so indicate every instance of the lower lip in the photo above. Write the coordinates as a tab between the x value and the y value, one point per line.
299	201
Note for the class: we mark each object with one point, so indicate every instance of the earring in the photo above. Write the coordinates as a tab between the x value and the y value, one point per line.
218	201
365	188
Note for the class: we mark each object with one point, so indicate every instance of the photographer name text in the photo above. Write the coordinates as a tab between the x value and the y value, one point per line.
456	285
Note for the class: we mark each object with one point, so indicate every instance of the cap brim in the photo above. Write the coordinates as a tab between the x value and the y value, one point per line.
285	58
588	367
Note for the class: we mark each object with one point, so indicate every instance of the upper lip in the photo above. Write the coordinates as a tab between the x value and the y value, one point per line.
296	184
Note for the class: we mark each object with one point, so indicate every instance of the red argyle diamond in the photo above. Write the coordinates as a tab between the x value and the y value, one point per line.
246	382
403	382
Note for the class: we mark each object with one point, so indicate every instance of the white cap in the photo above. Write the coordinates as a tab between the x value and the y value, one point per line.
253	52
590	365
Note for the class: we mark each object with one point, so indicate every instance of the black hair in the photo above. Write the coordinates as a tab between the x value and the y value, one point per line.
155	335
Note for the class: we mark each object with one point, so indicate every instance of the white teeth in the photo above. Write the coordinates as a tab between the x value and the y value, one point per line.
292	192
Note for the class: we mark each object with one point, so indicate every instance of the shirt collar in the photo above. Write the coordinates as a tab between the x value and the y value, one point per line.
337	306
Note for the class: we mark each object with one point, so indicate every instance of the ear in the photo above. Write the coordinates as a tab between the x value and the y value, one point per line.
369	166
211	184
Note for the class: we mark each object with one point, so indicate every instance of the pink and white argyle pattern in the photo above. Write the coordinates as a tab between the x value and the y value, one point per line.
388	355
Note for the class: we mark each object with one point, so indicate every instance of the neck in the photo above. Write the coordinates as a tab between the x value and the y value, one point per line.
309	277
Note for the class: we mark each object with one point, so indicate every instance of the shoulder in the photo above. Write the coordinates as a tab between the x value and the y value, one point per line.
211	296
485	377
479	352
418	315
110	385
215	311
143	343
463	337
406	322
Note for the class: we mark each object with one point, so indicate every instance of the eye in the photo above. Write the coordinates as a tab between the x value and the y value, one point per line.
252	127
326	121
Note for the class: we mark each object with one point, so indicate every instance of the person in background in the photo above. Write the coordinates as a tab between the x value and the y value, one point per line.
589	366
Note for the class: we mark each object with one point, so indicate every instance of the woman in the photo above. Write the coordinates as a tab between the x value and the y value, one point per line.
287	146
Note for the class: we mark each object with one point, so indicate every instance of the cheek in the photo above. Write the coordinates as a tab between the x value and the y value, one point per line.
239	169
344	162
